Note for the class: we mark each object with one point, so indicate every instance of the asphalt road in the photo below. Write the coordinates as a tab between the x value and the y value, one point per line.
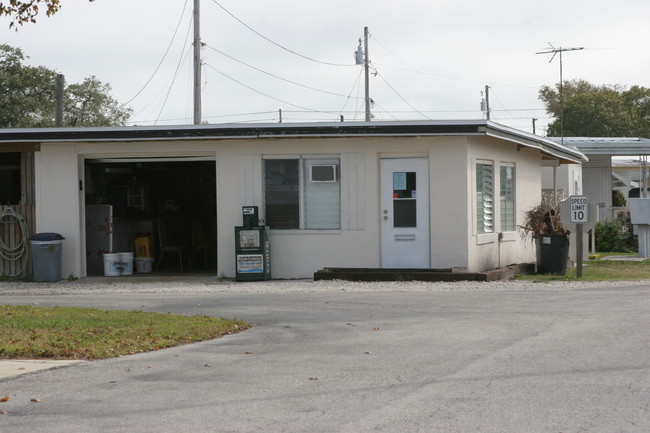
450	361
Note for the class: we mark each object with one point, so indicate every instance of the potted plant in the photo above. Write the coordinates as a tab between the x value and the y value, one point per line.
542	225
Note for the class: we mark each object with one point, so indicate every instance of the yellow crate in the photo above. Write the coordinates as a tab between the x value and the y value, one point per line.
143	247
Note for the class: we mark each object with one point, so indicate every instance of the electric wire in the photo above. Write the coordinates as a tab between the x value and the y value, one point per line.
275	43
276	76
178	66
356	83
501	104
260	92
401	97
356	108
456	78
180	19
385	111
410	68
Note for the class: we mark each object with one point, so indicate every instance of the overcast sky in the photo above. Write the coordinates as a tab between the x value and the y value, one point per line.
432	58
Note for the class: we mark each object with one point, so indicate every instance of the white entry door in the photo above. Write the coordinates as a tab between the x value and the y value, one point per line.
405	213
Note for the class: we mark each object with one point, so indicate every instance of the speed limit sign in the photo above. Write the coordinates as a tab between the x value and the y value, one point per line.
579	209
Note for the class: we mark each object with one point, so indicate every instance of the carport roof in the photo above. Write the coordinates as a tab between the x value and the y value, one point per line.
615	146
550	149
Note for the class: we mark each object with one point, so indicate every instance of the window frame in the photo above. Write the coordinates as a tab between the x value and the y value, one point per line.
502	210
479	225
304	173
11	167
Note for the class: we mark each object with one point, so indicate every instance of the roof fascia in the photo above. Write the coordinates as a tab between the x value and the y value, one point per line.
548	148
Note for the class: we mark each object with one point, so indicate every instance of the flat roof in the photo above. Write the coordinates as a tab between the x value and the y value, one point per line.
548	147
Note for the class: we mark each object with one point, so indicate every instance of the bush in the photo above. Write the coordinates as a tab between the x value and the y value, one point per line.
618	199
616	235
630	240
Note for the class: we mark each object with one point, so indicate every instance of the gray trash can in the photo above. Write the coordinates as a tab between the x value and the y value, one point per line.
46	256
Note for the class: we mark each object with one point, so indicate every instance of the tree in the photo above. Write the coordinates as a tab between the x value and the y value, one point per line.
598	111
25	11
22	12
90	104
26	92
27	97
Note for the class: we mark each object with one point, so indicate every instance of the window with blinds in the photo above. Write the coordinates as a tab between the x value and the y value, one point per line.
507	198
484	197
302	193
282	193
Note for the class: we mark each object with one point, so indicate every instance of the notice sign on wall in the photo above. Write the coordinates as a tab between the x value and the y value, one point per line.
579	209
250	263
399	181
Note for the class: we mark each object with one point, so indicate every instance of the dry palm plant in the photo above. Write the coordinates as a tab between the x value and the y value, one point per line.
543	219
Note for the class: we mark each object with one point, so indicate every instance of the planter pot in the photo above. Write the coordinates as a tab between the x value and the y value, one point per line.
552	254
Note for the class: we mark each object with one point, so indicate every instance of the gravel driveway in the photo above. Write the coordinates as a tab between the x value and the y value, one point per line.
203	284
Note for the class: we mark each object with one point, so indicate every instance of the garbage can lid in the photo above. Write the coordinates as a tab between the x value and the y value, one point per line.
41	237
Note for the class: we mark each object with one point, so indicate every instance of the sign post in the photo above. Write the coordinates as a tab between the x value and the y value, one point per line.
579	215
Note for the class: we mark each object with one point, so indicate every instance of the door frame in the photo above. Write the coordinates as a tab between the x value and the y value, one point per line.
419	164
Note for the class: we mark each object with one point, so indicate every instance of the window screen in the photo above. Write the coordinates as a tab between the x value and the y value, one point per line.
322	199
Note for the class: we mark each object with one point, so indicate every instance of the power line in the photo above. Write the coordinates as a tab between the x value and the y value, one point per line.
356	82
258	91
276	76
178	66
455	78
384	111
180	19
275	43
401	97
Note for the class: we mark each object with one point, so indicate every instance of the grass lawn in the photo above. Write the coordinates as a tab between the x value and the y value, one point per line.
84	333
600	270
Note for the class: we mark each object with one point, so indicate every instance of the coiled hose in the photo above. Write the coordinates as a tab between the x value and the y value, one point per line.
17	252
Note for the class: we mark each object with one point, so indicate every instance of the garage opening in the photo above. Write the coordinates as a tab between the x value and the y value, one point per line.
161	209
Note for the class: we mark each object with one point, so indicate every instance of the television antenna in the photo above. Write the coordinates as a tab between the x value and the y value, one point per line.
556	51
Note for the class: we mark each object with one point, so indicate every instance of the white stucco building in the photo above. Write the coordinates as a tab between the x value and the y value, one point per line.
422	194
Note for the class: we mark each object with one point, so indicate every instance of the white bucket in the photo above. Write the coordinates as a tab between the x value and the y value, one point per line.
143	265
126	261
112	265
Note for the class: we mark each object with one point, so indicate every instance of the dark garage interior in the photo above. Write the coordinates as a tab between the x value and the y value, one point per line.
167	205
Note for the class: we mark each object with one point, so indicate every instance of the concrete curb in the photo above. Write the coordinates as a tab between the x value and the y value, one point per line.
16	367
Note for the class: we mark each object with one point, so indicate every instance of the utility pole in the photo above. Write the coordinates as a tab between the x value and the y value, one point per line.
534	120
60	88
487	102
197	62
556	51
366	61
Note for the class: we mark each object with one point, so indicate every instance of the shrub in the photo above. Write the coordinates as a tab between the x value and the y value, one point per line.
618	199
616	235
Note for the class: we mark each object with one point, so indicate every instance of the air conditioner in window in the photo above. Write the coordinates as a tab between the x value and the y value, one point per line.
322	173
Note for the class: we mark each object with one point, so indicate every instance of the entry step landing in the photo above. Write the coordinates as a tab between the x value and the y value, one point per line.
380	274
